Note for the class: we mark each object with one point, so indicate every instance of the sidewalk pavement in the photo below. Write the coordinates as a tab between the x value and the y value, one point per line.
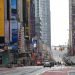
5	69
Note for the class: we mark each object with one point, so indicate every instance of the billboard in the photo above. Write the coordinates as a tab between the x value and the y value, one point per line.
13	26
13	31
13	22
13	9
1	18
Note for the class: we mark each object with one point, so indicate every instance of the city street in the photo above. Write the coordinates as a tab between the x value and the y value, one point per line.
61	71
38	70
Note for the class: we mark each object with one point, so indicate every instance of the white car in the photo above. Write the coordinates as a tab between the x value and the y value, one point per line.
48	63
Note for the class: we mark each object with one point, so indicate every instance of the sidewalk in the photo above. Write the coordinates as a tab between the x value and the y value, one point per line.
4	70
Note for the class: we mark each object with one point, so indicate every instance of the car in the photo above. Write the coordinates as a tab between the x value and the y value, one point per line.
52	63
48	63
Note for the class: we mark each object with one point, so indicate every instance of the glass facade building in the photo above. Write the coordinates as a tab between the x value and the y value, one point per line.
44	13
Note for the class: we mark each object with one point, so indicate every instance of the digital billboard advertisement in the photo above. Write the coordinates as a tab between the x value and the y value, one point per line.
13	25
14	31
1	18
13	6
13	22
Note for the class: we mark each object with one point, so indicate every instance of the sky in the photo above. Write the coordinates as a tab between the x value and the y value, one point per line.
59	22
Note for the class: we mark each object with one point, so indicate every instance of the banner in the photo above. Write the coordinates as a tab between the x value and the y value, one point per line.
1	17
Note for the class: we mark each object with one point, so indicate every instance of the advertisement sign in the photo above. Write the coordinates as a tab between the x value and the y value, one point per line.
13	26
13	22
1	17
13	6
14	31
14	35
13	9
34	43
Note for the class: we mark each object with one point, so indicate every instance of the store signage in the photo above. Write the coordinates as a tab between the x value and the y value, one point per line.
1	17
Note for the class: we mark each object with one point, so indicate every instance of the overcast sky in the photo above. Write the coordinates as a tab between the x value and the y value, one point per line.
59	21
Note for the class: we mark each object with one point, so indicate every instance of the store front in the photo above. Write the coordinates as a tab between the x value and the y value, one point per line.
4	58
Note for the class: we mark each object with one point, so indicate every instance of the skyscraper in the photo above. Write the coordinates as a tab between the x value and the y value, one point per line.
42	26
72	27
44	13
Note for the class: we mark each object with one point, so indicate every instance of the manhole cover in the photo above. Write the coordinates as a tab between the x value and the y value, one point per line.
71	73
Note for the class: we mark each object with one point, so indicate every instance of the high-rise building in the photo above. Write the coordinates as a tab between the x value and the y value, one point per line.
44	13
71	27
42	25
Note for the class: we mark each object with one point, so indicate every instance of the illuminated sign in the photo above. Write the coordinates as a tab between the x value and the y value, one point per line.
1	17
13	22
14	31
13	9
